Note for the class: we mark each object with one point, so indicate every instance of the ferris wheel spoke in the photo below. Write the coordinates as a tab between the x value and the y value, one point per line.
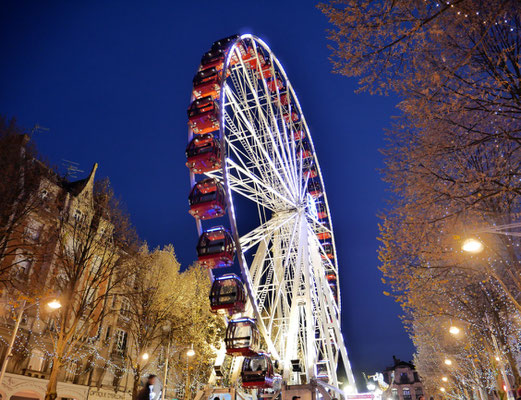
253	237
246	183
264	125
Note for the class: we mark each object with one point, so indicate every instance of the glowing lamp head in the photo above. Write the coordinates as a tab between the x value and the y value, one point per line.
348	389
497	358
54	304
371	386
145	356
472	246
448	361
444	379
454	330
190	352
442	389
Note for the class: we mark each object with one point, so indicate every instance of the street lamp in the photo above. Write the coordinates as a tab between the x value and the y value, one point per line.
189	353
448	361
53	305
167	329
444	379
348	389
145	356
442	389
454	330
472	246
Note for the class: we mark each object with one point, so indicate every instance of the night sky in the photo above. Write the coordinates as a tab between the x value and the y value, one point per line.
112	80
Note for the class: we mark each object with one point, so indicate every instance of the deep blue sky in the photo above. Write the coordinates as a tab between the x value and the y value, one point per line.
111	81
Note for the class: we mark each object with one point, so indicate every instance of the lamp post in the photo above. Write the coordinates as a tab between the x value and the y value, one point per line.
190	353
53	304
167	329
454	330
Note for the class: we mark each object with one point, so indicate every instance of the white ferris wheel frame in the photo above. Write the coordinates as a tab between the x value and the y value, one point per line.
297	321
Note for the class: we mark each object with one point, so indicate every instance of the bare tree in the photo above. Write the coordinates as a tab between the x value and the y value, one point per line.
21	175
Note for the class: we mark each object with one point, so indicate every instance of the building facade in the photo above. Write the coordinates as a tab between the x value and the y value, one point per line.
98	369
403	382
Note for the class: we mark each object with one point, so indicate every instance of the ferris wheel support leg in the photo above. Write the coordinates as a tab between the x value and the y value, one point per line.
311	356
294	320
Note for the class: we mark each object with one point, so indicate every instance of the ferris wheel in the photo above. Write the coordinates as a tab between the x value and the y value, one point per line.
260	206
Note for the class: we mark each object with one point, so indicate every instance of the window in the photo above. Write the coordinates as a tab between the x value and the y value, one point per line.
32	230
394	393
406	394
78	216
121	340
22	265
36	360
107	334
418	392
44	194
404	377
416	377
125	308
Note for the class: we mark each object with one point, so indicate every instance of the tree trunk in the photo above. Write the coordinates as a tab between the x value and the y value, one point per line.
51	393
135	386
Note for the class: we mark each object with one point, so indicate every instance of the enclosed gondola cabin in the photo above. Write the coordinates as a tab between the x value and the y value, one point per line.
203	115
321	210
215	248
315	189
228	294
328	251
207	83
203	154
242	338
257	372
207	199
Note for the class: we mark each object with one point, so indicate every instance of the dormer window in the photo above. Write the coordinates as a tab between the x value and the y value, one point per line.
78	216
44	194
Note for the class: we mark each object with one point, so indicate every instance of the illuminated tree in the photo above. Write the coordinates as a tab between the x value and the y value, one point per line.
452	158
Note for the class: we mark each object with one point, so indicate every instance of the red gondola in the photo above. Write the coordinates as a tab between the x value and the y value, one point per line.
311	172
242	337
321	210
203	115
275	82
331	276
228	294
328	252
207	83
257	372
215	59
215	248
315	190
299	134
293	117
305	151
207	199
250	58
324	232
267	70
223	44
203	154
